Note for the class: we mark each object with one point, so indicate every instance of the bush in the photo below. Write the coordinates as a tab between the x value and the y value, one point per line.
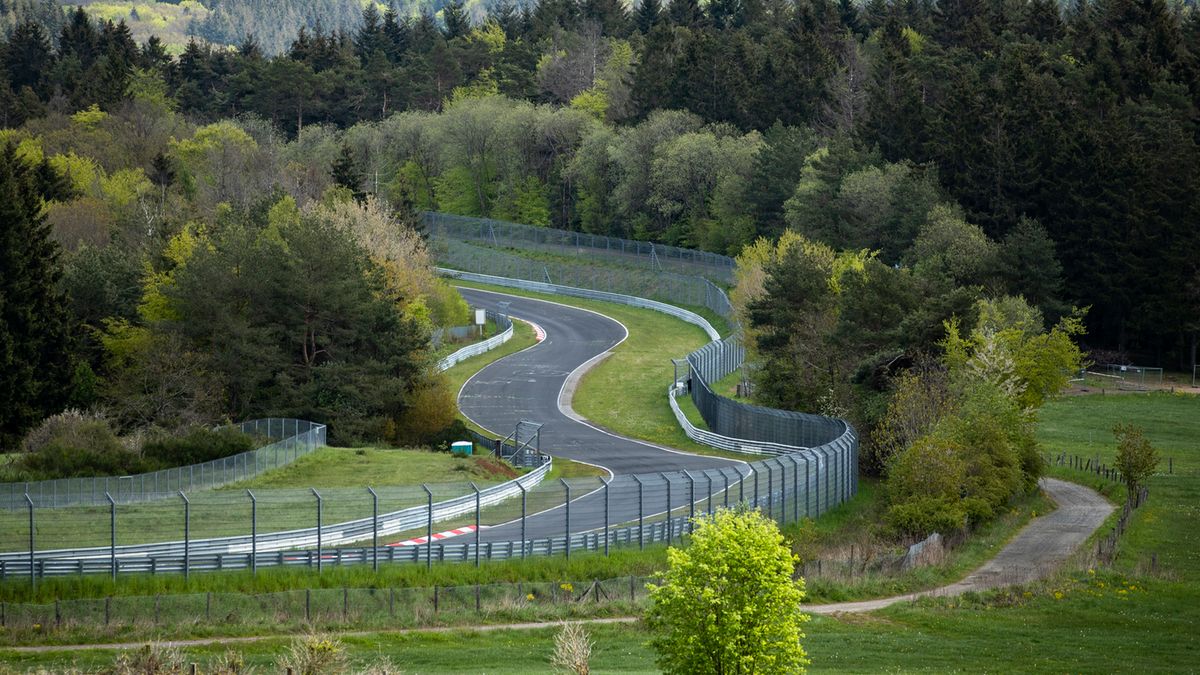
196	446
73	444
728	603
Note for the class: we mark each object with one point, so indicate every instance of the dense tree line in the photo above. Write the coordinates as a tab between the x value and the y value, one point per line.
977	151
1083	121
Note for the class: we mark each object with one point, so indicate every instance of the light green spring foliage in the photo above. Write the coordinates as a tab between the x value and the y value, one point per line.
1137	460
728	603
980	450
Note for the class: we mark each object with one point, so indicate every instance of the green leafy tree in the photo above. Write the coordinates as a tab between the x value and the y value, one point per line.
1136	458
728	602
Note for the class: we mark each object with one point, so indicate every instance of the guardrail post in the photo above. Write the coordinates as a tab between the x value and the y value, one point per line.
253	533
187	533
668	523
112	527
476	489
567	519
641	515
428	529
606	482
32	569
374	529
319	536
524	494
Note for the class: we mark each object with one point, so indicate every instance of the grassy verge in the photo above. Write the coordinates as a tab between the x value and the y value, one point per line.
1089	627
627	393
352	467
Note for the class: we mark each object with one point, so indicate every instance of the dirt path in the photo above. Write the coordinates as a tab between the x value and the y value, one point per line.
1035	552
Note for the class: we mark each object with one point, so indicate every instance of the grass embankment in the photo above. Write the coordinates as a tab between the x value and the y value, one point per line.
356	467
627	392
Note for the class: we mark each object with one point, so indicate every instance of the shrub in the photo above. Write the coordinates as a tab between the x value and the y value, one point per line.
728	603
72	444
314	655
195	446
1136	458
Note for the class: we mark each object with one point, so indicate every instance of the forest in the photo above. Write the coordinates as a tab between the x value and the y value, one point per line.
898	179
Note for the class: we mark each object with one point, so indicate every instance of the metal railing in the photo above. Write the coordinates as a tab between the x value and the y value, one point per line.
292	439
506	332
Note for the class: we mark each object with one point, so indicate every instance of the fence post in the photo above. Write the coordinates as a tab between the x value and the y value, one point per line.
476	489
691	501
254	533
742	484
319	537
32	569
606	482
187	533
523	497
770	490
795	488
374	529
725	478
641	515
112	526
428	529
668	523
567	519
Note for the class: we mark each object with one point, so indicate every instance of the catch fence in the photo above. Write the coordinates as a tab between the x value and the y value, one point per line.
292	439
544	518
581	246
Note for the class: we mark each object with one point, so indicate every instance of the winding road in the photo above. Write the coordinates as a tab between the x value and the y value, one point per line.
535	384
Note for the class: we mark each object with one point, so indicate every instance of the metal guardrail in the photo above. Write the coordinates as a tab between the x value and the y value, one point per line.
555	289
478	348
294	439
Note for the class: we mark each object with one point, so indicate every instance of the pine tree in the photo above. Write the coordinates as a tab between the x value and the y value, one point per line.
648	14
457	21
345	172
36	364
685	13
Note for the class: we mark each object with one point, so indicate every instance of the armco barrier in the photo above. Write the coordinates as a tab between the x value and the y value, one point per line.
505	334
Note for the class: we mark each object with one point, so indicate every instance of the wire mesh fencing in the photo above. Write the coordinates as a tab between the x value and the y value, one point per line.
323	607
628	253
291	438
694	291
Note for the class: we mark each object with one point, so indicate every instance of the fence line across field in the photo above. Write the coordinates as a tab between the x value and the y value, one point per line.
553	518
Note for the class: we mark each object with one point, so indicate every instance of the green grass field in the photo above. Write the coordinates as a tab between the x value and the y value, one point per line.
355	467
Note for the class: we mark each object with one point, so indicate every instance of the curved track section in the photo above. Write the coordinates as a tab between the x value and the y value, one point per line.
526	385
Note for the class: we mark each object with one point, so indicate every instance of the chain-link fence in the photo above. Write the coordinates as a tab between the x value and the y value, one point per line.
292	439
466	523
581	246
